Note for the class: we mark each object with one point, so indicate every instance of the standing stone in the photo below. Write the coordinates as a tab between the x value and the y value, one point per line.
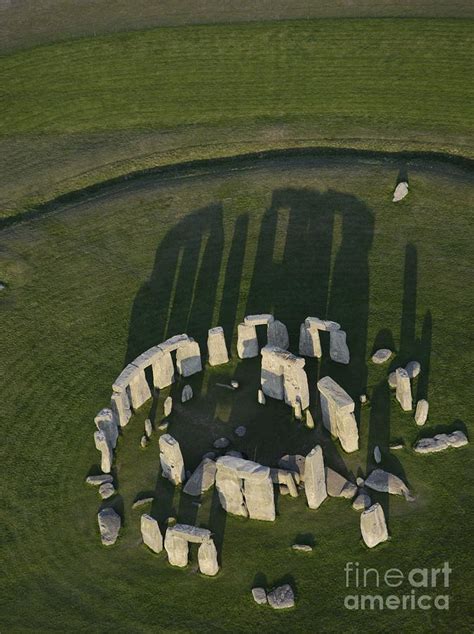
421	412
144	441
315	479
261	397
338	413
381	356
133	381
106	422
309	420
207	559
310	343
373	526
377	455
109	526
277	335
171	459
177	548
413	369
285	479
338	349
401	190
188	358
247	342
281	597
403	393
362	501
283	376
186	394
167	406
107	455
202	479
151	533
384	482
297	411
148	428
120	405
259	595
216	346
294	463
230	490
163	370
392	380
259	496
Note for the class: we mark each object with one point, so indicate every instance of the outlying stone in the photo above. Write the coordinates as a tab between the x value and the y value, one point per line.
440	442
403	389
106	490
381	356
315	479
304	548
216	346
281	597
309	343
338	413
106	452
338	486
247	342
186	394
151	533
401	190
97	480
373	526
109	526
384	482
168	406
259	595
338	348
188	358
421	412
171	459
413	369
202	479
277	335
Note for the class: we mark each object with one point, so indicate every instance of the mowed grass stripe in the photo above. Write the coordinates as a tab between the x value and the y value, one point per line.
410	72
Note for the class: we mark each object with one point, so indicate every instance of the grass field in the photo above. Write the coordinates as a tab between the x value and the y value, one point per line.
96	282
79	112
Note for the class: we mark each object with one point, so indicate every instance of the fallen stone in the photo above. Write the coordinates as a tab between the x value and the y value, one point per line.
440	442
361	502
151	533
381	356
304	548
261	397
168	406
186	394
247	342
142	502
259	595
309	419
240	431
277	335
373	526
234	454
421	412
106	490
377	455
148	428
338	486
221	443
403	393
207	559
202	479
171	459
401	190
384	482
109	526
216	346
338	348
413	369
177	547
97	480
315	478
281	597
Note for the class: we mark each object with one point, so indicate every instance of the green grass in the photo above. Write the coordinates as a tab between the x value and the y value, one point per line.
93	284
78	112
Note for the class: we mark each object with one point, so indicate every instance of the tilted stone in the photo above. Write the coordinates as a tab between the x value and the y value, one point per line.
177	548
171	459
107	455
259	595
202	479
247	342
413	369
151	533
309	343
315	479
440	442
188	358
186	394
207	559
97	480
294	463
384	482
373	526
338	486
258	320
403	393
120	405
337	411
173	343
163	370
216	346
281	476
192	534
338	348
381	356
168	406
421	412
401	190
277	335
322	324
109	526
281	597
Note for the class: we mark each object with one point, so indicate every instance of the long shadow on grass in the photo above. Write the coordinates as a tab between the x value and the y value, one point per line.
311	259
